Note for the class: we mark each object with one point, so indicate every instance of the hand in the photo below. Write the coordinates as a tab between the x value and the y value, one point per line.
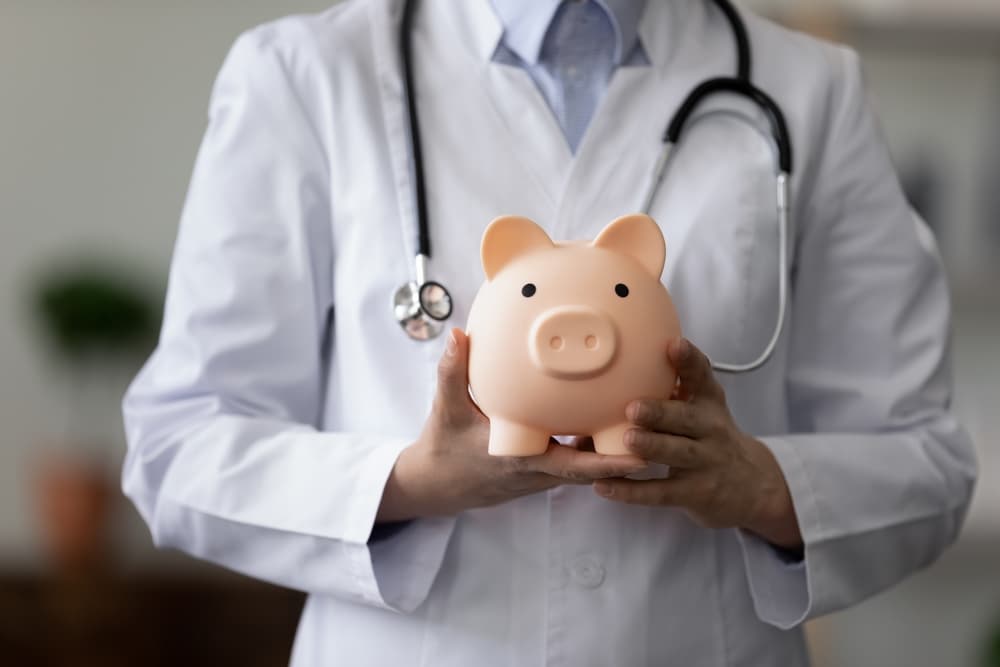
448	470
723	477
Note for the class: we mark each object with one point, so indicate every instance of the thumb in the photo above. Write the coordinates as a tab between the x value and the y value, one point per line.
693	369
452	398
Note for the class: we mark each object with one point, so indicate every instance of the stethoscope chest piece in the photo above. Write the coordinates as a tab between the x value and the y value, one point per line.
421	309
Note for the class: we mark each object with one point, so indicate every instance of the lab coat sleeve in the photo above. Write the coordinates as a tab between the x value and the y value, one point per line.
225	459
880	473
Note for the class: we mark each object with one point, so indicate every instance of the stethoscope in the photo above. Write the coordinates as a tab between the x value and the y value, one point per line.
421	306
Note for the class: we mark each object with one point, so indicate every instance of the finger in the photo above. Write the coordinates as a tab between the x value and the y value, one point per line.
659	492
583	443
693	420
674	451
452	399
693	368
573	465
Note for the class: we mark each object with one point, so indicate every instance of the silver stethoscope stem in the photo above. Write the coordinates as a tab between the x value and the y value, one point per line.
783	204
420	268
659	171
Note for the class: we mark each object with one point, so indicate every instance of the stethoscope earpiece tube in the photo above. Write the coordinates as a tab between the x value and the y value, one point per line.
744	56
416	149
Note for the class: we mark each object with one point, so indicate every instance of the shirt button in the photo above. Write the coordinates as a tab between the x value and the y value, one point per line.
587	571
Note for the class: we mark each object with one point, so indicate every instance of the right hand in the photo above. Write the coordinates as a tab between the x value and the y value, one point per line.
448	469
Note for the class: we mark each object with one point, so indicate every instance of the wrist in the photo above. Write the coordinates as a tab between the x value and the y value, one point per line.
780	528
773	515
416	489
403	497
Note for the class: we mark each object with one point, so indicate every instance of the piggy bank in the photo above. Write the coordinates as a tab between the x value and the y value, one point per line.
563	335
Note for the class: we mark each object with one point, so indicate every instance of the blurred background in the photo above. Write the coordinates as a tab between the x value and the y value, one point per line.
102	106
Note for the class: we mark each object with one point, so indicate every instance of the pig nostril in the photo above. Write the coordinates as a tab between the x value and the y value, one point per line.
590	342
556	343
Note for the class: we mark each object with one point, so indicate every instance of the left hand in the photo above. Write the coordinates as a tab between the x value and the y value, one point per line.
723	477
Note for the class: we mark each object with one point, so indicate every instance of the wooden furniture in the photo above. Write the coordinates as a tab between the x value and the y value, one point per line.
147	620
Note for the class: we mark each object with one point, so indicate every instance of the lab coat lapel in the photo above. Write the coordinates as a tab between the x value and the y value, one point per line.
513	112
614	161
386	17
534	135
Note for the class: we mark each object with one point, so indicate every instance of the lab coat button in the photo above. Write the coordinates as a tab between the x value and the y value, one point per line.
587	571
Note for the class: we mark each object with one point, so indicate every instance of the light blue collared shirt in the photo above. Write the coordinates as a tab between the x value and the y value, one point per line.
570	48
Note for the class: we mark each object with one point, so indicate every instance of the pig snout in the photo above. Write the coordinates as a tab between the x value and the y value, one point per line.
572	342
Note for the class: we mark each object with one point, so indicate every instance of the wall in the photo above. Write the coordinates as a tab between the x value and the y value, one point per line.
102	104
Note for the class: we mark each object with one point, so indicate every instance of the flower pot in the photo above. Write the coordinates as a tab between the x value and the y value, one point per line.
73	498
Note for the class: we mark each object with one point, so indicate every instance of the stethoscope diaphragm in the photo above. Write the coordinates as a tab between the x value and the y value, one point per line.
421	310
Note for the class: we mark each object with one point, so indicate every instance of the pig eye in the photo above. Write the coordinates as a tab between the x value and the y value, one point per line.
621	289
528	290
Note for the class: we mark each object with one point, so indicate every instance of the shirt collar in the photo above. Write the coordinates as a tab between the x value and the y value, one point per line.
525	23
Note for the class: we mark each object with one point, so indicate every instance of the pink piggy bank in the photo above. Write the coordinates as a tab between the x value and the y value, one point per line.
563	335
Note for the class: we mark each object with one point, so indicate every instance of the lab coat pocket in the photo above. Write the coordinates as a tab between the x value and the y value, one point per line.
720	219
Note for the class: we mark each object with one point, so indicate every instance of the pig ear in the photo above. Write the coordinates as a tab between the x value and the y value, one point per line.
637	236
508	237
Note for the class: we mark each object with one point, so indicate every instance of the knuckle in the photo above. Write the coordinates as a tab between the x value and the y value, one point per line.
713	489
658	412
443	371
639	440
686	417
717	424
651	413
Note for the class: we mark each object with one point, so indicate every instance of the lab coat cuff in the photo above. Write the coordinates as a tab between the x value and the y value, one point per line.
403	567
781	588
395	572
370	485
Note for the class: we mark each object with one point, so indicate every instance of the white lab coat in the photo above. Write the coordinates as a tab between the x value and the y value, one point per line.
260	437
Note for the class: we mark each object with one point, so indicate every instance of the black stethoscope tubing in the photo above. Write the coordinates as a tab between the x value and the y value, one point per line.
416	150
416	310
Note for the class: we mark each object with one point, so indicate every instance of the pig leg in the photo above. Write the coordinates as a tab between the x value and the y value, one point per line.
510	439
611	440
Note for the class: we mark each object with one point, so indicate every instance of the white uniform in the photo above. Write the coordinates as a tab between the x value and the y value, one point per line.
260	437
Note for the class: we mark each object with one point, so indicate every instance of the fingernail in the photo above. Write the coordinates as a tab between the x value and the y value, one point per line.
635	411
604	489
452	344
683	349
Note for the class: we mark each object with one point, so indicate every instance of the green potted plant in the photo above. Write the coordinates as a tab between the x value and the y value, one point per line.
991	656
97	321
